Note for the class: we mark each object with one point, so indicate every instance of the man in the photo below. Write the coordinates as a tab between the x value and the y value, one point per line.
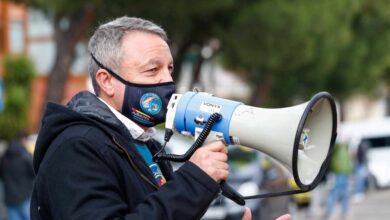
17	175
94	157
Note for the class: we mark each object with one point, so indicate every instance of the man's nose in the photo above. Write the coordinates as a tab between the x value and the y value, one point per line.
166	76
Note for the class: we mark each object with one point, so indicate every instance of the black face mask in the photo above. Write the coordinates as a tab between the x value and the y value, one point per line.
145	104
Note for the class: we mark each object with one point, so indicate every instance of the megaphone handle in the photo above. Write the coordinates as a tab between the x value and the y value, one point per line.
227	190
231	193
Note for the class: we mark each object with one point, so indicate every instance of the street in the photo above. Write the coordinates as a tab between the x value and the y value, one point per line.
376	205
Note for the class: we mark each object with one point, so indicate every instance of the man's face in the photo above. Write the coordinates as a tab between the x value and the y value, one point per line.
146	59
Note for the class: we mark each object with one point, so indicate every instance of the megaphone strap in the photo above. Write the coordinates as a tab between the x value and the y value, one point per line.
198	143
275	194
232	194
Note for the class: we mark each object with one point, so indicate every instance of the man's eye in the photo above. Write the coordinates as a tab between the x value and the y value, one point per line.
171	68
153	70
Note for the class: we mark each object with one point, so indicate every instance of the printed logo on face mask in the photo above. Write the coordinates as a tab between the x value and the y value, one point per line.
150	103
141	117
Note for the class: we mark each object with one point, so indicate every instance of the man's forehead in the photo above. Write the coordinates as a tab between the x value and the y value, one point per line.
142	39
148	47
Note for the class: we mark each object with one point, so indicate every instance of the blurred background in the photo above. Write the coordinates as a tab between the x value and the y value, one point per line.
265	53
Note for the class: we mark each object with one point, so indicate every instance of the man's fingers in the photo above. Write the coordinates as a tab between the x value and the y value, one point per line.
212	159
220	165
217	146
216	156
247	214
284	217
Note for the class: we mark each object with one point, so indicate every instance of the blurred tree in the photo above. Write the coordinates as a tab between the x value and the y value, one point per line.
288	48
189	23
19	73
362	64
372	28
71	21
291	49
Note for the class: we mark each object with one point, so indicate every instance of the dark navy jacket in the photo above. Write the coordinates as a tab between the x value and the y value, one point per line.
87	167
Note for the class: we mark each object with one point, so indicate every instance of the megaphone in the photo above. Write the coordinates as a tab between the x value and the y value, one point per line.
301	137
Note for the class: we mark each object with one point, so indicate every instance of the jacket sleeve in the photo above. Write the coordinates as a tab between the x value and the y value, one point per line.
187	196
83	186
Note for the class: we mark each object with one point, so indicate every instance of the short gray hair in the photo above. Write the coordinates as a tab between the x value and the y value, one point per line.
106	43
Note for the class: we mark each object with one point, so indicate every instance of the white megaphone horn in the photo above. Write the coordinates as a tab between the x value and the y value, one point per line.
301	137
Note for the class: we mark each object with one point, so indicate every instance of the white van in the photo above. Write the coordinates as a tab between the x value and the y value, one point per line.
377	134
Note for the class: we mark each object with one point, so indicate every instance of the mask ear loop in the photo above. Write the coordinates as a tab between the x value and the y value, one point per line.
109	70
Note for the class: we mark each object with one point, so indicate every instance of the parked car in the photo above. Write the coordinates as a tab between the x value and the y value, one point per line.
376	133
378	156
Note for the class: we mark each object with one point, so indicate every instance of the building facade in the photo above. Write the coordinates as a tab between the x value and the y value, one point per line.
28	32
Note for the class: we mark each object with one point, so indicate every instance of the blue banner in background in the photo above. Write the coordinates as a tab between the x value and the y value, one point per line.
1	96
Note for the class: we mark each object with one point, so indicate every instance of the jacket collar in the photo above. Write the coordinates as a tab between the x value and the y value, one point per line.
135	130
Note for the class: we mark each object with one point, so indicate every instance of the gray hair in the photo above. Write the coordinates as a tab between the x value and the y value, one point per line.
106	43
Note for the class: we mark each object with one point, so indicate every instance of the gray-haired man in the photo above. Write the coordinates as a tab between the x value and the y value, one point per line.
93	157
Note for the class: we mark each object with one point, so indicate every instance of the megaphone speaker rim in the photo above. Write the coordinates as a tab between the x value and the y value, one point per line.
310	105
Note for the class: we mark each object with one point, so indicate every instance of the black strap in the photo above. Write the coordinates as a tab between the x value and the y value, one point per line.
114	74
275	194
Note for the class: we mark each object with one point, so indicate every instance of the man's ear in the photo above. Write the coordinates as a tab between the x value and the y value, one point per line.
105	81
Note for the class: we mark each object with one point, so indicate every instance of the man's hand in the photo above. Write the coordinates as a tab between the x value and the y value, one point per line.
212	159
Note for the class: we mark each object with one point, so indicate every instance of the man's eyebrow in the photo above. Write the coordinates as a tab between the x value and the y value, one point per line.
154	62
151	62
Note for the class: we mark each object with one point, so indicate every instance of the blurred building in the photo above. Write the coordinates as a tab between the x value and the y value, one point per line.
27	31
13	30
360	107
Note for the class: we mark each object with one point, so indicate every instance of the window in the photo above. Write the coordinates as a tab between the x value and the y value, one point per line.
1	34
16	39
378	142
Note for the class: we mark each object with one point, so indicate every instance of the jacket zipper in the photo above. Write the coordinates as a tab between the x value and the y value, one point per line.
132	164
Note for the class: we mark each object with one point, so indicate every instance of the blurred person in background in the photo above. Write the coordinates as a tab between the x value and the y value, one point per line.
275	180
17	175
93	158
341	167
318	196
360	171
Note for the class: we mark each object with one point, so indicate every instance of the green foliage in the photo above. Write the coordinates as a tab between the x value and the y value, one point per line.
61	8
19	74
307	46
300	46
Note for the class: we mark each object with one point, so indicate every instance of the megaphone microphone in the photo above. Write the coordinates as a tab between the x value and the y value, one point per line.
301	137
